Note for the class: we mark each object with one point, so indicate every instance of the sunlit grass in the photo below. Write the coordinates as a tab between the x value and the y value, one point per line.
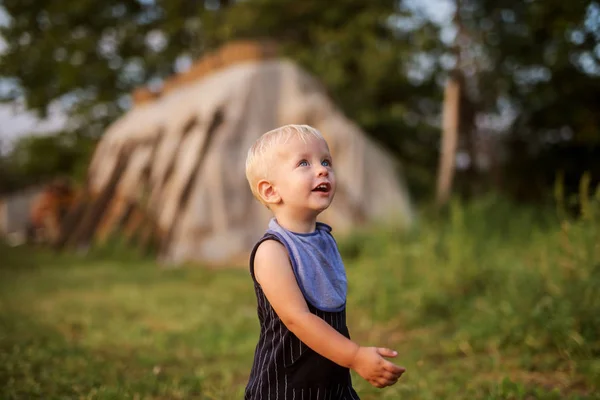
491	302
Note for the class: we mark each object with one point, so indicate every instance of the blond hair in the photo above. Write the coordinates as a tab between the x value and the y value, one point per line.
260	155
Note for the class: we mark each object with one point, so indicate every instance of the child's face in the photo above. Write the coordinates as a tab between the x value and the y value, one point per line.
303	175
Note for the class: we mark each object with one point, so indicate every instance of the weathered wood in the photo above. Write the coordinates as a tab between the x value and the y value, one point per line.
190	200
230	54
73	218
115	209
85	229
135	220
129	188
451	120
143	95
449	141
182	197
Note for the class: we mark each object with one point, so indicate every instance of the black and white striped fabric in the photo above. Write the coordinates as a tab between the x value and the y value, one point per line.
284	368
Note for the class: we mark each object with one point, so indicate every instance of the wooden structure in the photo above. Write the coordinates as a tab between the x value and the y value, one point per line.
169	174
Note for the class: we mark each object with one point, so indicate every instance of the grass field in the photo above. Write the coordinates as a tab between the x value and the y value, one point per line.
489	302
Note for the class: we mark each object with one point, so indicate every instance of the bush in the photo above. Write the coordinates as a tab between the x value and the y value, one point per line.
496	276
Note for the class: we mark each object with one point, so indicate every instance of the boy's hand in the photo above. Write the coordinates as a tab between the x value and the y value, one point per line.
370	364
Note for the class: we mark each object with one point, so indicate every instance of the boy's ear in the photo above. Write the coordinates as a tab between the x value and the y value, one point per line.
268	192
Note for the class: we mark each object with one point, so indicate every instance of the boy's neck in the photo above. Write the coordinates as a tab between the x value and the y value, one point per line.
297	225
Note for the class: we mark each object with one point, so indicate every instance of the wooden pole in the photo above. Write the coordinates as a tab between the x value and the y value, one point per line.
450	121
449	141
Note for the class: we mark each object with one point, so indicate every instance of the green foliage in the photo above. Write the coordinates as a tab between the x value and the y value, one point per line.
538	64
381	62
96	53
543	59
490	301
363	52
544	272
88	55
116	332
35	159
496	282
509	390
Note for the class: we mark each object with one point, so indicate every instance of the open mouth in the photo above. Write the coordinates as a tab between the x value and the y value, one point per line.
323	187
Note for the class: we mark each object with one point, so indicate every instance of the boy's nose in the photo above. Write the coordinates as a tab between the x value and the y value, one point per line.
322	171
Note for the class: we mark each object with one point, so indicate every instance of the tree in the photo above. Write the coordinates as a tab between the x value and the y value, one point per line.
453	92
450	126
540	61
375	57
88	55
378	59
35	159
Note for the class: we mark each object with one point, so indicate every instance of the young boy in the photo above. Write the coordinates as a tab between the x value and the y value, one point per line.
304	350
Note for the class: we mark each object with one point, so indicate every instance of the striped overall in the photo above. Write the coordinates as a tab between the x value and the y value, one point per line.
284	368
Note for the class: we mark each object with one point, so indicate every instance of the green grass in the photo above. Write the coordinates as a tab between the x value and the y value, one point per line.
489	302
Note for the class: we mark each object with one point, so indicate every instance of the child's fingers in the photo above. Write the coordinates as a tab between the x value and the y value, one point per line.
393	368
395	376
385	378
399	373
385	352
388	376
384	382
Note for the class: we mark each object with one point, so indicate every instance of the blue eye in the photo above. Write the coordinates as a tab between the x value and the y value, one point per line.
326	163
303	163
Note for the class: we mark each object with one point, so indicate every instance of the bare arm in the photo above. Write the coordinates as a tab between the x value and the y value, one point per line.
275	275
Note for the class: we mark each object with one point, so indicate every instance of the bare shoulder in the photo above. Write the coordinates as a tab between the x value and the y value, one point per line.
274	273
271	258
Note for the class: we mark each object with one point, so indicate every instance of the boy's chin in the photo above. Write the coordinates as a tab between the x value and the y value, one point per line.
322	207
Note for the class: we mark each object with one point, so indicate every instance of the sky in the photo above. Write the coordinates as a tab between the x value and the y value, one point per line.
16	122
